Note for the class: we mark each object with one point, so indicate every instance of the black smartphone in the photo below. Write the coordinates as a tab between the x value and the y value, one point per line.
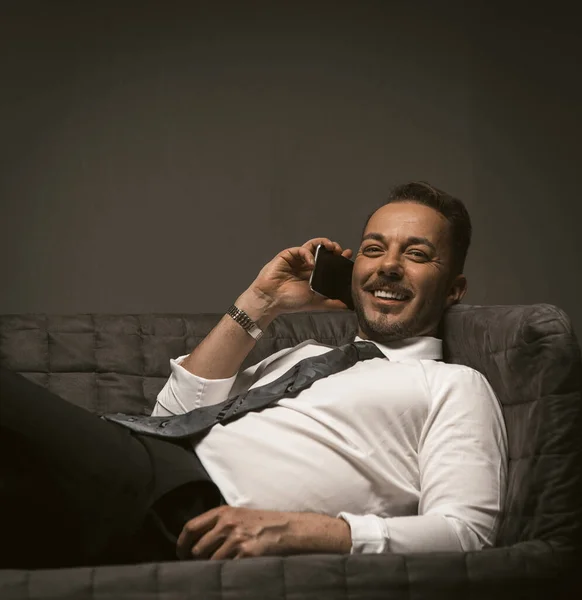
332	276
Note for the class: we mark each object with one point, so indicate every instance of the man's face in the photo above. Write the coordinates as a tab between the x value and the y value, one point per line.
405	250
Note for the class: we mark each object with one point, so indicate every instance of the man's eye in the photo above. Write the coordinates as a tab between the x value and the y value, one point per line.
418	254
372	250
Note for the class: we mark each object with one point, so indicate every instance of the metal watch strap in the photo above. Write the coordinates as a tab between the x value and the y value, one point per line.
241	317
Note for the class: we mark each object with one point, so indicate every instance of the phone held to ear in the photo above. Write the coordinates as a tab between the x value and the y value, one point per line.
332	276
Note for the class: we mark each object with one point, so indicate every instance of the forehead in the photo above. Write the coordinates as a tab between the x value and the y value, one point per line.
409	219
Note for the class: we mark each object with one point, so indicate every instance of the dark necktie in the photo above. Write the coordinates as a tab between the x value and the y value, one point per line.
301	376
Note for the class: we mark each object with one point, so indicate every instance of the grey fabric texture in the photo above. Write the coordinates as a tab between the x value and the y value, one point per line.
118	363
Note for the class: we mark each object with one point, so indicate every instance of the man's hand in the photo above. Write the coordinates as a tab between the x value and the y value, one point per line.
281	287
229	532
283	283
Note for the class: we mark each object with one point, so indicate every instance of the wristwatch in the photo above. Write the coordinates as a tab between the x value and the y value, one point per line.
241	317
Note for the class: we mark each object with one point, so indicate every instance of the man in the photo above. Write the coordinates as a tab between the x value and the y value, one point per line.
399	453
442	457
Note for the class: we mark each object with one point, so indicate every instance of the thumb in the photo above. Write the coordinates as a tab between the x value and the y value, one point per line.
323	303
335	304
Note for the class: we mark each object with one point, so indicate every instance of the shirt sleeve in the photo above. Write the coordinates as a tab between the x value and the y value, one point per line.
185	391
462	459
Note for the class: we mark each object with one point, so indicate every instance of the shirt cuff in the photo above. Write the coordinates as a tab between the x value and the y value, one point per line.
368	534
185	391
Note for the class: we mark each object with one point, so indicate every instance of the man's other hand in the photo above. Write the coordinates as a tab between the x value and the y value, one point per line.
229	532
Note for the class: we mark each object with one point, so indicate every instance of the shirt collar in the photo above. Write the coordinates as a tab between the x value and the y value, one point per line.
418	348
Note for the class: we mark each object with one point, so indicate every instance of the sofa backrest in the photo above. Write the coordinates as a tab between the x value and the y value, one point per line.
119	363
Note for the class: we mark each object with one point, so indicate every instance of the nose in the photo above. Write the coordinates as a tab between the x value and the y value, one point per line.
391	266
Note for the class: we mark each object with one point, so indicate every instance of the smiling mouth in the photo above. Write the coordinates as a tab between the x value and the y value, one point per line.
388	297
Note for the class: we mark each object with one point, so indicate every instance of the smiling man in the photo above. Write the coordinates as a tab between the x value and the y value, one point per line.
400	453
377	446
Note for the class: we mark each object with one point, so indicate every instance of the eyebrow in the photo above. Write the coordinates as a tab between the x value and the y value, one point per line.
410	241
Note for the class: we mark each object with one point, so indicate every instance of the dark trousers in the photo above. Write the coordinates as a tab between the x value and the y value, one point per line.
77	490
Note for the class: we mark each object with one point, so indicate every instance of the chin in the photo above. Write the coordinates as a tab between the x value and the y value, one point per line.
380	327
381	330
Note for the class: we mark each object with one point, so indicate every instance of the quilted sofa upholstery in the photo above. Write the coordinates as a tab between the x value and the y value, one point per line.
118	363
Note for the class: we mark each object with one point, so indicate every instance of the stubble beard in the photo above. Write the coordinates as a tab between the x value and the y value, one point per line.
380	330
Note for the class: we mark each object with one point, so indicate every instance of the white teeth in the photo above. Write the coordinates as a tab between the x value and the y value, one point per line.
390	295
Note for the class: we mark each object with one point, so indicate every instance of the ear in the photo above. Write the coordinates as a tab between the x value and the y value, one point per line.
457	290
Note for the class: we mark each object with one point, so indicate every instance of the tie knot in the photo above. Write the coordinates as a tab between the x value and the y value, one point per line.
367	350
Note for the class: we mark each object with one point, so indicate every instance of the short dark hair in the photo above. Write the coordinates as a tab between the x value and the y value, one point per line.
450	207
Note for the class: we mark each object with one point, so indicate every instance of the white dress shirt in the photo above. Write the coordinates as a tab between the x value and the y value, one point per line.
411	452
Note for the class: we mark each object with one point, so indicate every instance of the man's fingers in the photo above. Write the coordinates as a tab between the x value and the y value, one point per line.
184	543
193	530
229	549
299	254
326	242
305	255
207	545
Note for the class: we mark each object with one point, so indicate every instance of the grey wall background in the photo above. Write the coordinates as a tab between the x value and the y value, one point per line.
154	155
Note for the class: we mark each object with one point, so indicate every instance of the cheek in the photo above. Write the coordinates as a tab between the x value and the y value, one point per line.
429	288
433	292
360	274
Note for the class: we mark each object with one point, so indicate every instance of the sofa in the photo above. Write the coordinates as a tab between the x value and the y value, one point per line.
118	363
